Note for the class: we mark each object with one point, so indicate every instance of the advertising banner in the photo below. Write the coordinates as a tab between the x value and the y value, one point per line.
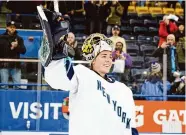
19	110
61	133
20	107
150	115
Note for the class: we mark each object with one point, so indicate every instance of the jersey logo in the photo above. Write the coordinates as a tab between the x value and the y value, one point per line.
117	108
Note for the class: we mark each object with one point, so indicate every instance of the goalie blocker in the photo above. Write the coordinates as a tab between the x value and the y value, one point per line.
54	26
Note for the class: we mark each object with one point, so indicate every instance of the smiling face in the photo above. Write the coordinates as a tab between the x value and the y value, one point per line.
102	63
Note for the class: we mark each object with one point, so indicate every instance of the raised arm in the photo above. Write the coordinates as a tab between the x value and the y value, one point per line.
60	74
54	52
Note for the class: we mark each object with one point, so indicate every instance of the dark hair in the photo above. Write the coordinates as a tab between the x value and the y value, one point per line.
65	37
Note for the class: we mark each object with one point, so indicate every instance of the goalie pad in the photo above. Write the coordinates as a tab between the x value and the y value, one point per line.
54	26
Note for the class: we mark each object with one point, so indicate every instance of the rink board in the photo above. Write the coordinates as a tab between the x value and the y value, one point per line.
18	107
62	133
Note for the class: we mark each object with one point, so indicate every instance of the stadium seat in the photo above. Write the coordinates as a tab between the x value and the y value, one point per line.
80	37
139	75
144	39
126	29
125	22
155	11
130	42
147	50
129	37
131	9
79	28
149	60
136	22
179	11
140	30
137	61
168	11
78	20
153	31
131	12
148	22
132	16
133	49
143	12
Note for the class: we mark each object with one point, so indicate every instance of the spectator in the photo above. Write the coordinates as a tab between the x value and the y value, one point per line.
70	39
119	50
180	49
12	47
118	67
136	89
170	49
178	87
125	5
76	10
3	17
30	7
3	8
64	7
118	53
180	33
116	38
116	13
96	14
68	8
141	3
167	27
153	86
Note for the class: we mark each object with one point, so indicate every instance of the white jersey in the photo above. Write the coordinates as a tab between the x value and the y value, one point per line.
97	106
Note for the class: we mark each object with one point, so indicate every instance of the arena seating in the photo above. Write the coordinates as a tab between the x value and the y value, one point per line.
139	75
139	29
168	11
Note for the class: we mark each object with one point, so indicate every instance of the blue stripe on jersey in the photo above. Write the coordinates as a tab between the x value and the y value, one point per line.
69	68
134	131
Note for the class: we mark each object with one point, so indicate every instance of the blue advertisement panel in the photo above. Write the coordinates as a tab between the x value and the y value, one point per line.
19	107
32	47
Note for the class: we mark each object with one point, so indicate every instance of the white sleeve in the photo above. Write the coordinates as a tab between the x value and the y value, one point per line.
60	74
